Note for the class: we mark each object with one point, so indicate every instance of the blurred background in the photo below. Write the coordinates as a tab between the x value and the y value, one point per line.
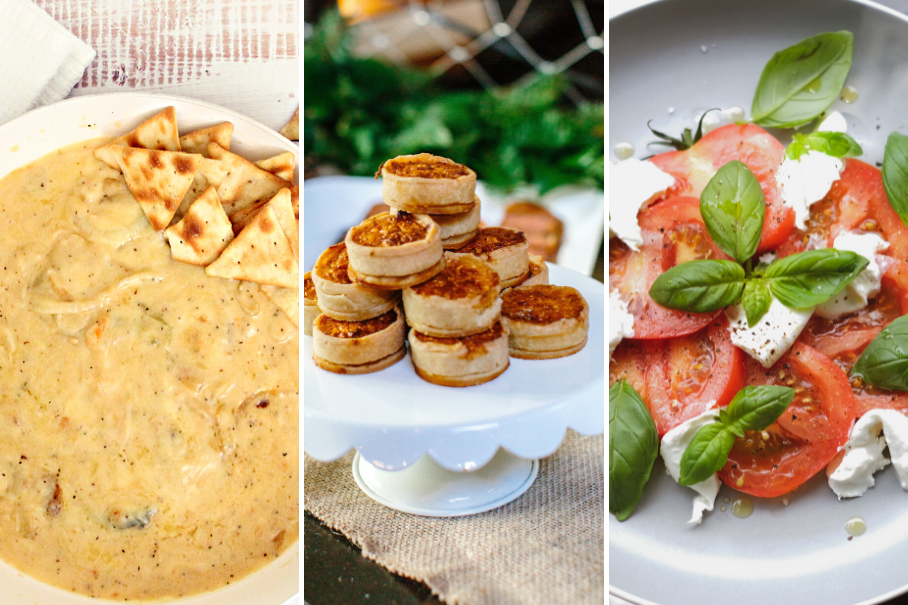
511	88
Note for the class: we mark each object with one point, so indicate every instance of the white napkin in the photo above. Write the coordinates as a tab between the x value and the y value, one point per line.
40	61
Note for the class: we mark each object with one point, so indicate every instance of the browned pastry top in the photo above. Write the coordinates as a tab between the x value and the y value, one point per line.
542	304
309	287
355	329
459	279
424	166
332	264
475	343
386	230
491	239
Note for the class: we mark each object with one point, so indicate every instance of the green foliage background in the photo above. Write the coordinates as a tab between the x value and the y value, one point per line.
360	112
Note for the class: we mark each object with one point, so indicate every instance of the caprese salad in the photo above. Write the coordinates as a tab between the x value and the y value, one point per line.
758	297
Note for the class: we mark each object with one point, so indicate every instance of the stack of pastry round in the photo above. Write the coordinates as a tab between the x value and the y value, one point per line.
436	186
457	338
469	308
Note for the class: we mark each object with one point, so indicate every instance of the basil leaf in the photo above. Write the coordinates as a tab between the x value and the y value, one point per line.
756	300
633	446
755	408
700	286
801	82
733	206
895	174
884	363
706	453
804	280
836	144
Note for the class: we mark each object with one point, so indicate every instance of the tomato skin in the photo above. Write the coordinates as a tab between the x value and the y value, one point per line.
688	375
805	437
750	144
633	272
844	339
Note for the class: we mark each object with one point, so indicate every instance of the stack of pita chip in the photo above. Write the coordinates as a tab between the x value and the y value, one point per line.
236	218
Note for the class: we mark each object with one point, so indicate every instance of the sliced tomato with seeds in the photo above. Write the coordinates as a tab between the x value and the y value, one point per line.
844	339
673	232
856	201
688	375
750	144
806	436
629	362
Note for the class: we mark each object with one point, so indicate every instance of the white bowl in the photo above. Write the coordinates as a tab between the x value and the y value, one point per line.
43	130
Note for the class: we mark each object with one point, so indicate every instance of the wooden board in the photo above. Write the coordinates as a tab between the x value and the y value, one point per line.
242	54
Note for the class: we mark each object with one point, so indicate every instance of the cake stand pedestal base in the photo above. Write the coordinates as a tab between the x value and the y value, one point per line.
430	490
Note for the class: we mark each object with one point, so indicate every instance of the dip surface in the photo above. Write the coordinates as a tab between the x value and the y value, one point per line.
149	414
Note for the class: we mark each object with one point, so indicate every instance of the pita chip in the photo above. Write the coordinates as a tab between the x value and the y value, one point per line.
198	141
158	132
280	165
210	174
283	210
244	183
285	299
158	180
295	200
291	130
203	233
261	253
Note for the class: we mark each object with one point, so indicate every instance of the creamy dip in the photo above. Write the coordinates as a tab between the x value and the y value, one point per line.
149	434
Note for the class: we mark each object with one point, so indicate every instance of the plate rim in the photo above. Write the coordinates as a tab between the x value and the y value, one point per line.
31	113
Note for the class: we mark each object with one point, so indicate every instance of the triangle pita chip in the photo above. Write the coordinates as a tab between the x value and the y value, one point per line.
280	165
158	132
261	253
198	141
203	233
291	130
285	299
158	180
244	183
283	210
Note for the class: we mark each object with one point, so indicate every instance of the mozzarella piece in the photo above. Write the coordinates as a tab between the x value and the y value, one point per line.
867	283
672	450
633	185
834	122
724	117
620	322
864	453
769	258
807	180
773	335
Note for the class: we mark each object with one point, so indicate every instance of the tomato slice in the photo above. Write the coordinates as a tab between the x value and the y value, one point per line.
845	338
688	375
805	438
629	362
753	146
673	232
856	201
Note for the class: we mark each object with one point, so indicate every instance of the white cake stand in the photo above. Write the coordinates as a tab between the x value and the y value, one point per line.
438	451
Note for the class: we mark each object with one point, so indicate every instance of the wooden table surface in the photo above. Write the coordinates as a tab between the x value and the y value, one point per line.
241	54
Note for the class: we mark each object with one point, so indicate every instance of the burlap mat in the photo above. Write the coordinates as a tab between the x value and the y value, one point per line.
547	547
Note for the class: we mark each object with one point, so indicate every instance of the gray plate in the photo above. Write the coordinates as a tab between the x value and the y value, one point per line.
797	553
